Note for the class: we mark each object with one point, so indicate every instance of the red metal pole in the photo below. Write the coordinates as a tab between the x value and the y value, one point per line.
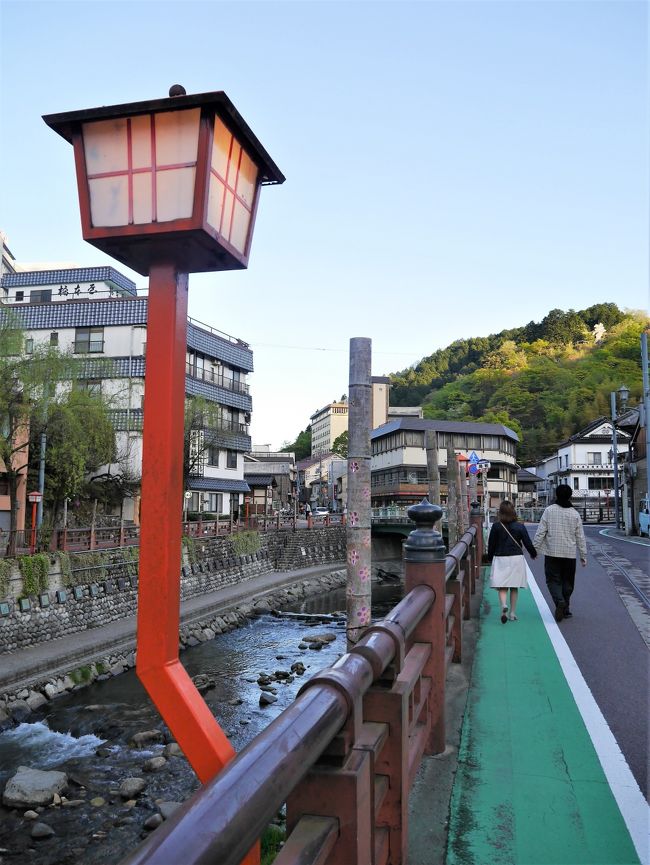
32	542
158	666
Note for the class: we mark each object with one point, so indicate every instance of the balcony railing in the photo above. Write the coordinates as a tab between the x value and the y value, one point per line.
216	378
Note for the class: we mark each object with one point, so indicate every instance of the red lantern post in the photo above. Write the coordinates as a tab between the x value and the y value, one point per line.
168	187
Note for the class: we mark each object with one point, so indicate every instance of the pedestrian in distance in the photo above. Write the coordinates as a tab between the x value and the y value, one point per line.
509	570
559	536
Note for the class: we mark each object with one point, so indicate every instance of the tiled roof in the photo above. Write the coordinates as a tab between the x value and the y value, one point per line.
233	353
73	274
219	485
259	480
214	393
422	424
82	313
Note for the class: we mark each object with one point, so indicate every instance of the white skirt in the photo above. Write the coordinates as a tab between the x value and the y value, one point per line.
509	572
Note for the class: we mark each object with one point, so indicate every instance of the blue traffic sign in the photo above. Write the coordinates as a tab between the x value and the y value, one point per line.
473	468
473	457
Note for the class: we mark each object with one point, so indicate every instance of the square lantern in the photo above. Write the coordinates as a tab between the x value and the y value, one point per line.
168	180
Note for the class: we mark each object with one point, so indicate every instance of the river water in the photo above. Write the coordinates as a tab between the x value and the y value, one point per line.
68	732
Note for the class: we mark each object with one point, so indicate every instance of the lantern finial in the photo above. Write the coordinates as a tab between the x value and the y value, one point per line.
177	90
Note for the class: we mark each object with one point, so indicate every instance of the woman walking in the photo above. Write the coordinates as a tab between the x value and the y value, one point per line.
505	552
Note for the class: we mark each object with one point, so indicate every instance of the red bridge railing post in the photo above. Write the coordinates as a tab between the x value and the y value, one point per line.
424	564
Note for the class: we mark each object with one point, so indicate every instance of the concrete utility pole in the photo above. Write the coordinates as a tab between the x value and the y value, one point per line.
433	470
473	488
463	510
358	522
646	393
452	496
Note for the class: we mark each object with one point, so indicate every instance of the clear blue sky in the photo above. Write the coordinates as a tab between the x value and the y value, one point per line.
453	168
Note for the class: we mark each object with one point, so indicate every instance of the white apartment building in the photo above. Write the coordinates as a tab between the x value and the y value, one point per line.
584	461
96	314
327	424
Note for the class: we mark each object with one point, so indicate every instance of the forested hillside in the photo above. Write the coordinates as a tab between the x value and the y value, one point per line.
545	380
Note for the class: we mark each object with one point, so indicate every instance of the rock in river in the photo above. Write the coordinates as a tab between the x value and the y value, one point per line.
32	787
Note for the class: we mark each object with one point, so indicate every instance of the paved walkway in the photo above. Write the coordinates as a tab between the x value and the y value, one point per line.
530	788
59	656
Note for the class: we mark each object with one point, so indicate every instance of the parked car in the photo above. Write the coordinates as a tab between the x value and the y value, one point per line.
319	513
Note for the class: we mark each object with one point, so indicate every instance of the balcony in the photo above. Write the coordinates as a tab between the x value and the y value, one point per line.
216	378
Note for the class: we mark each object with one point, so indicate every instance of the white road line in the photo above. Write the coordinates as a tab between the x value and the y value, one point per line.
631	802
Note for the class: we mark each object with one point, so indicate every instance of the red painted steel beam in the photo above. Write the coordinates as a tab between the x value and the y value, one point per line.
158	666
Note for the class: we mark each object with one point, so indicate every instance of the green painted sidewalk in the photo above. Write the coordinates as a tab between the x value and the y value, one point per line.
529	789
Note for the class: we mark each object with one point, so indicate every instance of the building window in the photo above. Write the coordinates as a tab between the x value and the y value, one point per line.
92	386
43	295
231	459
213	456
216	503
88	339
54	338
20	296
594	458
599	483
4	485
576	483
29	345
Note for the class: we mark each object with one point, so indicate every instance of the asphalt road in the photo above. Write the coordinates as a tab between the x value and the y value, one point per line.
605	637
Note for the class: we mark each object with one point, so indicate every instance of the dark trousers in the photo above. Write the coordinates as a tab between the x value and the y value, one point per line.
560	577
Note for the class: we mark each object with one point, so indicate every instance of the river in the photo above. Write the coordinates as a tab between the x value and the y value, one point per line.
86	734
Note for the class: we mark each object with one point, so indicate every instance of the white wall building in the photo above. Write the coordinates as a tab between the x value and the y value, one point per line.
96	314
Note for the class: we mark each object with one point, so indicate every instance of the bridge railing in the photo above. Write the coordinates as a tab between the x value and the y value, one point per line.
344	755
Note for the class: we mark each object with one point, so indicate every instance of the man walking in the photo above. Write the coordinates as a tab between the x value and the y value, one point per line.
559	535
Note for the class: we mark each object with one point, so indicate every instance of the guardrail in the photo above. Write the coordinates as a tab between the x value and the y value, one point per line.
344	755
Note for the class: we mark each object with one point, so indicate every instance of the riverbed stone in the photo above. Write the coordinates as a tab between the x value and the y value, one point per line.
203	683
146	737
51	690
153	822
42	830
35	700
267	699
173	749
98	801
167	808
154	764
326	637
18	710
132	787
32	787
30	815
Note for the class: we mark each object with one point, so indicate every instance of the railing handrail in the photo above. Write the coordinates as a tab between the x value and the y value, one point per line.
234	808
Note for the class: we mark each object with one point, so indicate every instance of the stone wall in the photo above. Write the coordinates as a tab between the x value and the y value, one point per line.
17	705
106	592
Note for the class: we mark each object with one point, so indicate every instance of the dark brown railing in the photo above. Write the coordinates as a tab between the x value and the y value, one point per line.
344	755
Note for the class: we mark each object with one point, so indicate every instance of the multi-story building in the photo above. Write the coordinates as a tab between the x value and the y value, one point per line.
97	315
327	424
399	461
265	469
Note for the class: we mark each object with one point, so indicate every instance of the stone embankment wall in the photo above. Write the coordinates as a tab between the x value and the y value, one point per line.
92	595
17	706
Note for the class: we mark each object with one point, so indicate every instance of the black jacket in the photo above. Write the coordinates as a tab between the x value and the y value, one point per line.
501	544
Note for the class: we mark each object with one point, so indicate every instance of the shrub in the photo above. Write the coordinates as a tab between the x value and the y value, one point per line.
35	573
5	571
245	543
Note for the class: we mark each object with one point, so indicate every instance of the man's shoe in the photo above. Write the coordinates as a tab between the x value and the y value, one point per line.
567	613
560	611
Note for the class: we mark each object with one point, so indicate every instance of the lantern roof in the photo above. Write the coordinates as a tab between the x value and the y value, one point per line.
67	122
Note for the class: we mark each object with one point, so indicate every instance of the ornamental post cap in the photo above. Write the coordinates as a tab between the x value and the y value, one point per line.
177	90
425	543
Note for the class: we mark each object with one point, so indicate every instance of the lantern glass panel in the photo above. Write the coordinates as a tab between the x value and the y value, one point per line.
233	185
142	169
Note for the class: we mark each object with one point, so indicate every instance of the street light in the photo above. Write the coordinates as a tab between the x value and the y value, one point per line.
623	393
168	187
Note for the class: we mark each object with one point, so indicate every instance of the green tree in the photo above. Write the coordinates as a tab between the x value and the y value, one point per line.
80	439
340	445
301	447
